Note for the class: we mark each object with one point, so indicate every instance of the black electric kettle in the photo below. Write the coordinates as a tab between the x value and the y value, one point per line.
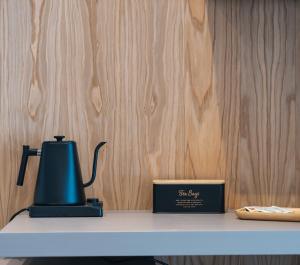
59	180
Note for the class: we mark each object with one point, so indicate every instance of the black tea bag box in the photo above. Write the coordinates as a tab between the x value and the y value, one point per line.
188	196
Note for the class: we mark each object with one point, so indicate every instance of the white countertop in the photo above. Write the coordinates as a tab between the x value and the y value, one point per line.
141	233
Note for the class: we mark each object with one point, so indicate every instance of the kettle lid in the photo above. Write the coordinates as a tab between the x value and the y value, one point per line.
59	140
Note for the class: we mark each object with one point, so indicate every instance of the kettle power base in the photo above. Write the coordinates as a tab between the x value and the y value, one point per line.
87	210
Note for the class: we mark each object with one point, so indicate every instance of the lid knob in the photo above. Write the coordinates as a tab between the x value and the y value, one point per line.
59	138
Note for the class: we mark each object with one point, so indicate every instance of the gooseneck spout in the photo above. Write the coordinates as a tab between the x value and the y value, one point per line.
93	177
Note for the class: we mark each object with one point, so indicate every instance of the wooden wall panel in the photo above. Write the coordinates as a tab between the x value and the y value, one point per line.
267	135
178	88
140	59
15	81
297	84
213	109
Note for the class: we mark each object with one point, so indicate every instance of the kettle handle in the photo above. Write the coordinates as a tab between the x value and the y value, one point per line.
26	153
93	177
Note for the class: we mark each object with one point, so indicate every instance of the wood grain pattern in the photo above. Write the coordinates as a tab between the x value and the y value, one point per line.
297	83
267	142
230	260
199	89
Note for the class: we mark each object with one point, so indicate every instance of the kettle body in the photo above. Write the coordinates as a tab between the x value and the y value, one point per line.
59	180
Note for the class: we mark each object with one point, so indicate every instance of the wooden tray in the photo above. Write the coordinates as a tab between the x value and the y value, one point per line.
288	217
